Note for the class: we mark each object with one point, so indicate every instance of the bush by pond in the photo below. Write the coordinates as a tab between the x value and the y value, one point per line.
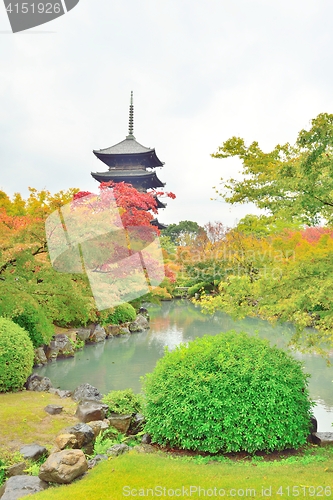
16	356
230	392
121	314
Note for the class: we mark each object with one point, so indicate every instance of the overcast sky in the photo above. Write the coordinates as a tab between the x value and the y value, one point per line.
201	72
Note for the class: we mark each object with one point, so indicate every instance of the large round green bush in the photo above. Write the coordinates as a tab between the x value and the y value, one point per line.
16	356
230	392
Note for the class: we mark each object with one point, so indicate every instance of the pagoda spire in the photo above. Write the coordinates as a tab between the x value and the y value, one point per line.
131	119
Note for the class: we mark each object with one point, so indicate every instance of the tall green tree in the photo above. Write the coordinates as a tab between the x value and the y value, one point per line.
294	182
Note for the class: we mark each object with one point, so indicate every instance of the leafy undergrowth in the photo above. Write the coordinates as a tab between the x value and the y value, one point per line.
160	475
24	420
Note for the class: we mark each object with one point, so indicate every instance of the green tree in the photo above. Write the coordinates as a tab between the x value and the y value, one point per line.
183	233
291	182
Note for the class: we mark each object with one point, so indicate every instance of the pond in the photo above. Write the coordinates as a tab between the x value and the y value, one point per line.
120	362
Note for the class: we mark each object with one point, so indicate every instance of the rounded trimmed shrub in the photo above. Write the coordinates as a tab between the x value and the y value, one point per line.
16	356
228	393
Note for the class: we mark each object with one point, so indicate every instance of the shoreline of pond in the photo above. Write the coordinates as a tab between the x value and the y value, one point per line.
124	359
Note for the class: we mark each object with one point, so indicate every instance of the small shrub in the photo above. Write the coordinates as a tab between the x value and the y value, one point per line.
16	356
121	314
106	439
230	392
123	402
6	460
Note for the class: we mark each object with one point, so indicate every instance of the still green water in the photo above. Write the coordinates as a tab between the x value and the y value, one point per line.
119	363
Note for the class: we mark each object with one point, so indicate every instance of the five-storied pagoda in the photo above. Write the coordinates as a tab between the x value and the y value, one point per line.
130	162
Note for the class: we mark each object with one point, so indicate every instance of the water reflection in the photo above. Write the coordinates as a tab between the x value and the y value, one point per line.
120	362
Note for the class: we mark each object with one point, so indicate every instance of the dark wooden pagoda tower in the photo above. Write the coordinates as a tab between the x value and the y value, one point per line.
130	162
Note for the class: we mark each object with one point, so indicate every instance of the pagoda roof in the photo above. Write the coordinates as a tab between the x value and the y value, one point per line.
128	146
128	150
158	224
160	203
141	178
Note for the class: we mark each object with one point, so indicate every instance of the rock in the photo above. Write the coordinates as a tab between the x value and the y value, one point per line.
53	409
86	392
33	451
120	422
17	469
91	410
37	383
139	325
60	393
112	330
72	335
314	439
40	358
66	440
123	330
324	437
99	425
83	433
20	486
94	461
137	423
144	312
98	334
59	347
146	439
63	467
117	449
83	334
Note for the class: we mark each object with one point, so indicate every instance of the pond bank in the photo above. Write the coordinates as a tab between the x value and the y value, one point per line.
119	362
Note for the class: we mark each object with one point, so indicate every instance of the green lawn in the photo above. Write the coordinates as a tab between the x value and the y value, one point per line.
156	475
24	420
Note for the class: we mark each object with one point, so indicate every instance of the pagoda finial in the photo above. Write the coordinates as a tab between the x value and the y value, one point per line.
131	114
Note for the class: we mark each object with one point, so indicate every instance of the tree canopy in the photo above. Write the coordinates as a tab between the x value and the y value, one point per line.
294	182
182	233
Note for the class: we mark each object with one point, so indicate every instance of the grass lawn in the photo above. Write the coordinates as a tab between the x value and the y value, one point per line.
156	475
24	420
